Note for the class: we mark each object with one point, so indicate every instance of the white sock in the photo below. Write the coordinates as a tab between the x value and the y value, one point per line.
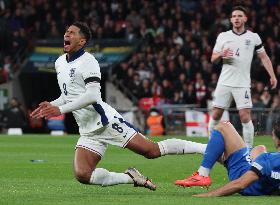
178	146
103	177
203	171
212	123
248	133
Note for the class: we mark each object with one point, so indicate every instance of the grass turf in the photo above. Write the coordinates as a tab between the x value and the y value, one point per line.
52	182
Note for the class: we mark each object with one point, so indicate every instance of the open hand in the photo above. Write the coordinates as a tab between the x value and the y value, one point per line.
227	53
37	112
45	110
50	111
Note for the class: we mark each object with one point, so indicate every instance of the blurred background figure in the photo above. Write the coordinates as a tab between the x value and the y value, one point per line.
14	115
155	123
274	113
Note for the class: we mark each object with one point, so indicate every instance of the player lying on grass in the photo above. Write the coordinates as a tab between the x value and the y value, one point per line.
79	76
255	173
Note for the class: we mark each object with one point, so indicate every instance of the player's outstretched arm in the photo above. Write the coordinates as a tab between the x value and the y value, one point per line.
46	109
234	186
58	102
268	66
90	96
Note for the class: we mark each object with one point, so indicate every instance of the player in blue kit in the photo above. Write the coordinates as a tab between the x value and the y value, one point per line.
251	173
79	76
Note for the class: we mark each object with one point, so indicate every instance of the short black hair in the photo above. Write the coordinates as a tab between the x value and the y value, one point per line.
84	30
240	8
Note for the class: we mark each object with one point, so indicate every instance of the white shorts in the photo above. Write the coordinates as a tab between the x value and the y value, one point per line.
224	95
118	132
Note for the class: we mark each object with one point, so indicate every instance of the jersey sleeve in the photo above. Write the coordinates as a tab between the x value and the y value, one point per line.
259	165
218	45
57	62
91	72
258	44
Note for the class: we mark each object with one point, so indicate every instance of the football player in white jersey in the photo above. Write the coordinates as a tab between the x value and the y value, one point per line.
79	76
236	48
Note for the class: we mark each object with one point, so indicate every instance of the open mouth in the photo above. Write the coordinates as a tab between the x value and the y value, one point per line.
66	44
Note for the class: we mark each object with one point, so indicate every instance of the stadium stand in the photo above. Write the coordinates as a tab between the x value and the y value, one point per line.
171	65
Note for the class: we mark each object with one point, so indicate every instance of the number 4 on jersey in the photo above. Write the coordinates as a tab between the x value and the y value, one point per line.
246	95
237	52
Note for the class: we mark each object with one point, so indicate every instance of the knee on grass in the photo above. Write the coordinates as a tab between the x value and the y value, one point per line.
83	176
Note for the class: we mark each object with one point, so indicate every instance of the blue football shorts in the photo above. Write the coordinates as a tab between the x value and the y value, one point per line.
238	163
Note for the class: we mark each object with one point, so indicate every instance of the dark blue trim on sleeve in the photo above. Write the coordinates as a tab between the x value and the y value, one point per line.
258	47
99	109
258	172
92	80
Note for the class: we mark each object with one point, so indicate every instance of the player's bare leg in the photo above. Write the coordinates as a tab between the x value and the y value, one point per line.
140	145
247	125
215	118
224	141
256	151
232	139
85	163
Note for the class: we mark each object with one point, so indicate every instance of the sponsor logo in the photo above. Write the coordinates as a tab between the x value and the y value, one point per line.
275	175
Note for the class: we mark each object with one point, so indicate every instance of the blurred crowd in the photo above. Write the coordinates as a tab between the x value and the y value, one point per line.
173	60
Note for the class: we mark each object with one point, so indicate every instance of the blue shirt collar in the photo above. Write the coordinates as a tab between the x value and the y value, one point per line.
75	55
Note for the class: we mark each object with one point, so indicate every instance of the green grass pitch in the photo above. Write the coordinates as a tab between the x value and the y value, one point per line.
52	182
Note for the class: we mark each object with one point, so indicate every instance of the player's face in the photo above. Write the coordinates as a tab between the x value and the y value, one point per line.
238	19
73	40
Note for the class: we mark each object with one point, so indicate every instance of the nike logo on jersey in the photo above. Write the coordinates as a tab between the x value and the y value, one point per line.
125	135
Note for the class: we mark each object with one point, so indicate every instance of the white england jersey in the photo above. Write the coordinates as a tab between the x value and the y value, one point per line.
236	72
72	78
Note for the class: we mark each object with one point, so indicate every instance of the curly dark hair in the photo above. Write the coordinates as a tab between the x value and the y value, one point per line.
84	30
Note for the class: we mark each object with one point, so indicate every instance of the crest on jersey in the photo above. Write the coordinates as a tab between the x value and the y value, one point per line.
247	42
72	72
